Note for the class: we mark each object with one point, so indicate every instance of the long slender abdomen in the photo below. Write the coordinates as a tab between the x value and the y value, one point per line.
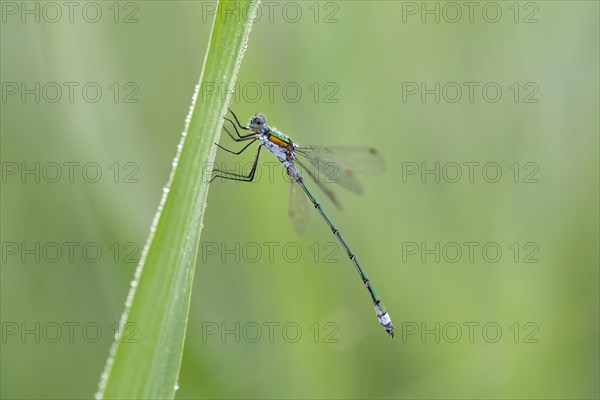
380	311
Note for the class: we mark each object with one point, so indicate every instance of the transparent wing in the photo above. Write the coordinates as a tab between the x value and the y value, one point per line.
341	164
320	184
360	160
298	211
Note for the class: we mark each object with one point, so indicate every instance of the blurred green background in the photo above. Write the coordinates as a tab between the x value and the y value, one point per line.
277	324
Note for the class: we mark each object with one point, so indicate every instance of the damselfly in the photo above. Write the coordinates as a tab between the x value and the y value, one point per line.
338	163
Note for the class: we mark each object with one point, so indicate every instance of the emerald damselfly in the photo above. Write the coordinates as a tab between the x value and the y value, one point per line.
339	163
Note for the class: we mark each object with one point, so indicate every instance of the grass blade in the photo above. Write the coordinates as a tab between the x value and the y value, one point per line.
158	303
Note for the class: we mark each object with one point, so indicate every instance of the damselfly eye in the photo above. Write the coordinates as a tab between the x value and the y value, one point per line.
258	123
258	120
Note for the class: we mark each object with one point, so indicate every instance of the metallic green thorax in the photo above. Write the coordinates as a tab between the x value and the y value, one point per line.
280	136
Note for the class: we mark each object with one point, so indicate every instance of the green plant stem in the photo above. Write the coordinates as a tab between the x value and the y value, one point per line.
158	303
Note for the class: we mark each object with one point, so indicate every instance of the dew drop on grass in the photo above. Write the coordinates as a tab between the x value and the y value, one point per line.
102	385
129	300
188	118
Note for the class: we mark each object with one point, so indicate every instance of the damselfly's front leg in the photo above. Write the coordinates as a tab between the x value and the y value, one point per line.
237	153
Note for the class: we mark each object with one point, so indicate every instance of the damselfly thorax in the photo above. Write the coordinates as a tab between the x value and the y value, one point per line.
279	144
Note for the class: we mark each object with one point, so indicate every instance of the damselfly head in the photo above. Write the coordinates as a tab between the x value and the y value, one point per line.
257	123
